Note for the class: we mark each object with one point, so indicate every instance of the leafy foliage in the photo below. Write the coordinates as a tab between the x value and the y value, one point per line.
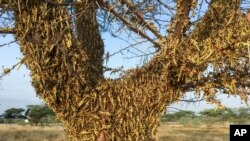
12	112
224	114
176	116
209	116
38	113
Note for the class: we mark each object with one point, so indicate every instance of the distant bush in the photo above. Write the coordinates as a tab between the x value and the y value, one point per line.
36	114
12	121
41	114
239	115
174	117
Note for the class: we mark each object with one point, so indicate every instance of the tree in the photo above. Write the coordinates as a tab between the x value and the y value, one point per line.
243	112
38	112
13	112
178	115
222	114
62	46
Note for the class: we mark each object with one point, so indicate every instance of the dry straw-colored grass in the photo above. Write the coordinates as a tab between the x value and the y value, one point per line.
31	133
165	133
193	132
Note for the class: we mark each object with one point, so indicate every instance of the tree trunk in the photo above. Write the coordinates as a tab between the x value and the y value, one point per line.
67	72
89	38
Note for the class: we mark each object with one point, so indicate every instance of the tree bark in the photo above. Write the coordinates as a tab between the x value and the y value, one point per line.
181	22
89	38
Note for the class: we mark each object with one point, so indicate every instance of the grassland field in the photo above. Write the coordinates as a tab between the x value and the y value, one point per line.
166	132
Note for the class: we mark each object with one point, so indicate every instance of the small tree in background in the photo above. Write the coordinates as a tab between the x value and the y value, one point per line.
13	112
177	116
218	112
219	115
243	112
38	113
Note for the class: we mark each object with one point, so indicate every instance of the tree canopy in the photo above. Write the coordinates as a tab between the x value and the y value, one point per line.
38	112
12	112
200	46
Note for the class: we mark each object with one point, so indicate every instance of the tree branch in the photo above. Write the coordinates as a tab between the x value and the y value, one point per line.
6	71
179	24
128	23
167	7
193	100
139	17
1	45
5	7
7	31
62	3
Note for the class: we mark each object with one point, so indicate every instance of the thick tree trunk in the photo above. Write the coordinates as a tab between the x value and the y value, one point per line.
67	72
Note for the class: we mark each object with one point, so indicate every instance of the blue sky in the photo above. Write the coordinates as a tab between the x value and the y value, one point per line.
16	90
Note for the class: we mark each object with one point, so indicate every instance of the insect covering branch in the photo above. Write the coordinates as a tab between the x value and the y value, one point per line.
180	22
139	17
125	21
7	31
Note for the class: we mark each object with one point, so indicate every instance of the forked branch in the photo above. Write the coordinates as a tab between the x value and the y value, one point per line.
139	17
127	22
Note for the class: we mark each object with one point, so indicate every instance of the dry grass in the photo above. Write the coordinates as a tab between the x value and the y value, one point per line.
31	133
193	132
166	133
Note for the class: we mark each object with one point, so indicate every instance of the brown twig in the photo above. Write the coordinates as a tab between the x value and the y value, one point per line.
139	17
8	70
8	43
128	23
7	31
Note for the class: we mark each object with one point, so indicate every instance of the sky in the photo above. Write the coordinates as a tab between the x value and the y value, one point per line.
16	90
